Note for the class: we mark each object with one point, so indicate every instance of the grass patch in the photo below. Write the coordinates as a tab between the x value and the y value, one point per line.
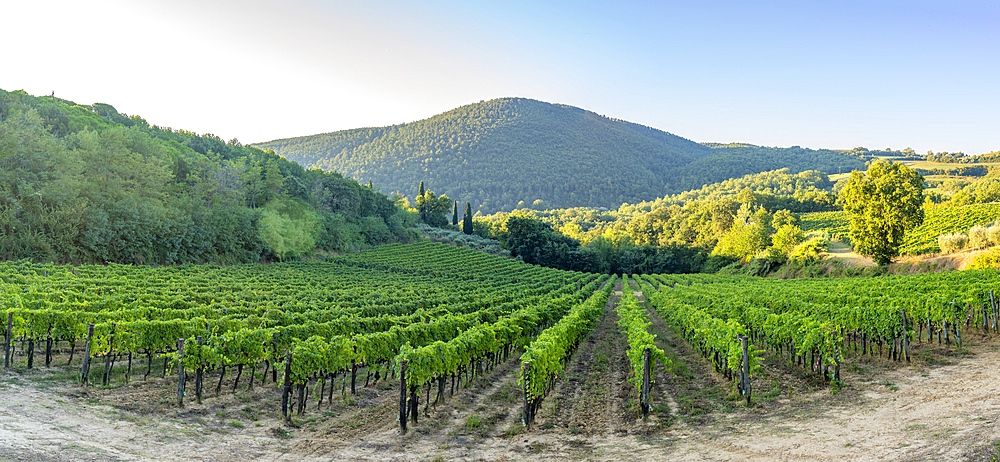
473	422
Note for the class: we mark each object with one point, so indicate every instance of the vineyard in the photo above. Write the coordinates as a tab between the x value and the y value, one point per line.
921	240
425	345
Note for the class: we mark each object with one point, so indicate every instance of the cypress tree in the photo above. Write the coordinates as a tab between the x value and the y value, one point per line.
454	215
467	219
421	206
369	183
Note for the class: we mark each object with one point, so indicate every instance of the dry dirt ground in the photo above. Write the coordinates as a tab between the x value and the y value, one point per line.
907	264
942	406
845	253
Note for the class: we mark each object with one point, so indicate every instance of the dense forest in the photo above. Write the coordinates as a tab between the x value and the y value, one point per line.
512	153
86	184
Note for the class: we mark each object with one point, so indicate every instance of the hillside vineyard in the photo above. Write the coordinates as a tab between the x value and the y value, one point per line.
437	316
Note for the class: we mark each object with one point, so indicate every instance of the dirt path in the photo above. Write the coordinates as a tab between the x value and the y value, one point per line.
945	412
845	253
589	398
944	406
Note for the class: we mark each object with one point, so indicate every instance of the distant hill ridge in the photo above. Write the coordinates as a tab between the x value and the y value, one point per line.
511	152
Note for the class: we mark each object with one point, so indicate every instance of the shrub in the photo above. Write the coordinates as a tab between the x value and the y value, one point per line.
809	250
990	259
979	237
994	234
786	238
952	242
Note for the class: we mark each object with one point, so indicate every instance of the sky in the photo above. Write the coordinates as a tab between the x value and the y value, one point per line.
817	74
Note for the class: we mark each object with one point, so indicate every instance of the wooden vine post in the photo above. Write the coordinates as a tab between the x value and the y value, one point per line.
85	369
48	349
645	383
986	322
198	375
6	348
107	357
354	375
906	338
274	354
526	380
993	305
31	352
286	390
180	372
402	397
745	369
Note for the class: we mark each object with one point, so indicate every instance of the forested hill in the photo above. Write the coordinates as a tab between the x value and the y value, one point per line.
86	184
510	152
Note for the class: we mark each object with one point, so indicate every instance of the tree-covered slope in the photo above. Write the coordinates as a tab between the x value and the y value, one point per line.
500	153
86	184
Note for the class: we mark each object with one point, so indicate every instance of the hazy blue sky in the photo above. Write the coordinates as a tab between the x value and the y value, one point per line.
835	74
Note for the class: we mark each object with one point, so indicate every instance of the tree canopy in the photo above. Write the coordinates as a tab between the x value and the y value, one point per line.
883	204
86	184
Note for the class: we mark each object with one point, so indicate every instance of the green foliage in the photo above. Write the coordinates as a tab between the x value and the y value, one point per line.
435	305
715	332
978	170
922	239
807	191
787	237
952	242
983	191
993	233
498	153
289	227
979	237
548	352
884	203
432	208
962	158
87	184
619	241
535	242
339	235
810	249
467	219
632	319
749	234
985	260
479	243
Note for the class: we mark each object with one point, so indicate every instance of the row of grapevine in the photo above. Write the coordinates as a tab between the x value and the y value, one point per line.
920	240
717	338
543	360
363	307
435	358
643	354
815	321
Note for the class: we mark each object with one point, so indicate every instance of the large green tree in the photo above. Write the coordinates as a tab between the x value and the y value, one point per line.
884	203
748	235
433	208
